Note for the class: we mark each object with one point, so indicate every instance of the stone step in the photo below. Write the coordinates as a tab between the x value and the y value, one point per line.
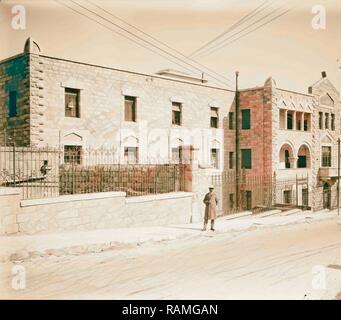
267	213
237	215
290	212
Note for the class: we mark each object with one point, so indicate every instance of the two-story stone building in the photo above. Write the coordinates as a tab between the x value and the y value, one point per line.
146	118
291	136
143	118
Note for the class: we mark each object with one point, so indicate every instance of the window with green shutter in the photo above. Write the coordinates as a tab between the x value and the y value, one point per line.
246	158
230	160
246	119
230	120
12	104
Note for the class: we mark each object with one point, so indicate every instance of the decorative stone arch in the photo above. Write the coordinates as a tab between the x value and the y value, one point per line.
72	137
327	140
215	143
287	156
130	141
304	156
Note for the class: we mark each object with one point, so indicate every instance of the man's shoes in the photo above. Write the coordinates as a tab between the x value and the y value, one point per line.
212	229
203	229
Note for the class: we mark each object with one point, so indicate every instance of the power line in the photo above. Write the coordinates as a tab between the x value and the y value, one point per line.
249	16
209	50
224	43
148	42
145	41
121	34
159	41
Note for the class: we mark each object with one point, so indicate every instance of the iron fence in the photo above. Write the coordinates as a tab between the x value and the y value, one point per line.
260	193
46	172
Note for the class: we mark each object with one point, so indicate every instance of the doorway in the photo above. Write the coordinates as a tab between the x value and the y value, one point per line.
326	196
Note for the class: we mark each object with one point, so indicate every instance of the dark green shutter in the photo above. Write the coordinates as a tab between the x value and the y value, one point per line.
246	159
246	119
12	104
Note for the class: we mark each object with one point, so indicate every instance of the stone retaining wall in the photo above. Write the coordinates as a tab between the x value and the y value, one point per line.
91	211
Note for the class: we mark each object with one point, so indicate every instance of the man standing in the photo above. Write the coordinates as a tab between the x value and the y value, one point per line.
211	202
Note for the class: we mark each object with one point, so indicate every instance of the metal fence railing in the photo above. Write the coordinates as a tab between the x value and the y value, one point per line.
46	172
260	193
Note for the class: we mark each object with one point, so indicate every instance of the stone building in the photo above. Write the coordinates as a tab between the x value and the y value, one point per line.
147	118
291	136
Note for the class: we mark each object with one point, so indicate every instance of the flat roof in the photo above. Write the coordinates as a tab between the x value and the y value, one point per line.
136	73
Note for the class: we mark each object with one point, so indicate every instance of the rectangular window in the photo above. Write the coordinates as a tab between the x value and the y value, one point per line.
298	126
73	154
287	196
246	119
130	108
305	125
230	160
72	103
332	125
131	154
214	117
289	121
12	108
320	120
215	158
231	120
326	156
246	159
326	120
176	113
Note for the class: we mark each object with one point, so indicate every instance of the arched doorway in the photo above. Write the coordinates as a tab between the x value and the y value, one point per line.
326	196
303	157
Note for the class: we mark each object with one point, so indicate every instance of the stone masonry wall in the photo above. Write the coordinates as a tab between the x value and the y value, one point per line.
92	212
14	76
9	210
259	137
325	137
101	121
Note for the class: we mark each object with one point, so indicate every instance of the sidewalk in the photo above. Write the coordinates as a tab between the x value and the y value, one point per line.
23	247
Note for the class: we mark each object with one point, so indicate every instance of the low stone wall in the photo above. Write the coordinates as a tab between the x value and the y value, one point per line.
9	209
94	211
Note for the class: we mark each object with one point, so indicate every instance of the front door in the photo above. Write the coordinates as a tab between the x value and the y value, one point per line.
326	196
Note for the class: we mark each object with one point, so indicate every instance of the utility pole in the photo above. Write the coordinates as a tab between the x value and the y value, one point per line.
338	171
237	142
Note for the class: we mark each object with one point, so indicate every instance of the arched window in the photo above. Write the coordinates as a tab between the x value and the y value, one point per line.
287	160
285	156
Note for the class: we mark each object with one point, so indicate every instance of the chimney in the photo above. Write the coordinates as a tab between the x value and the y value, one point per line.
324	74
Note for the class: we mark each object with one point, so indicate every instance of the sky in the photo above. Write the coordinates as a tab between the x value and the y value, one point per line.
289	49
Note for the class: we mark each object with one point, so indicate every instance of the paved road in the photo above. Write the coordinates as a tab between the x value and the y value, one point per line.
271	263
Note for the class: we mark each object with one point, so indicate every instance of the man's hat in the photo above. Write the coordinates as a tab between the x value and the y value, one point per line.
211	187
